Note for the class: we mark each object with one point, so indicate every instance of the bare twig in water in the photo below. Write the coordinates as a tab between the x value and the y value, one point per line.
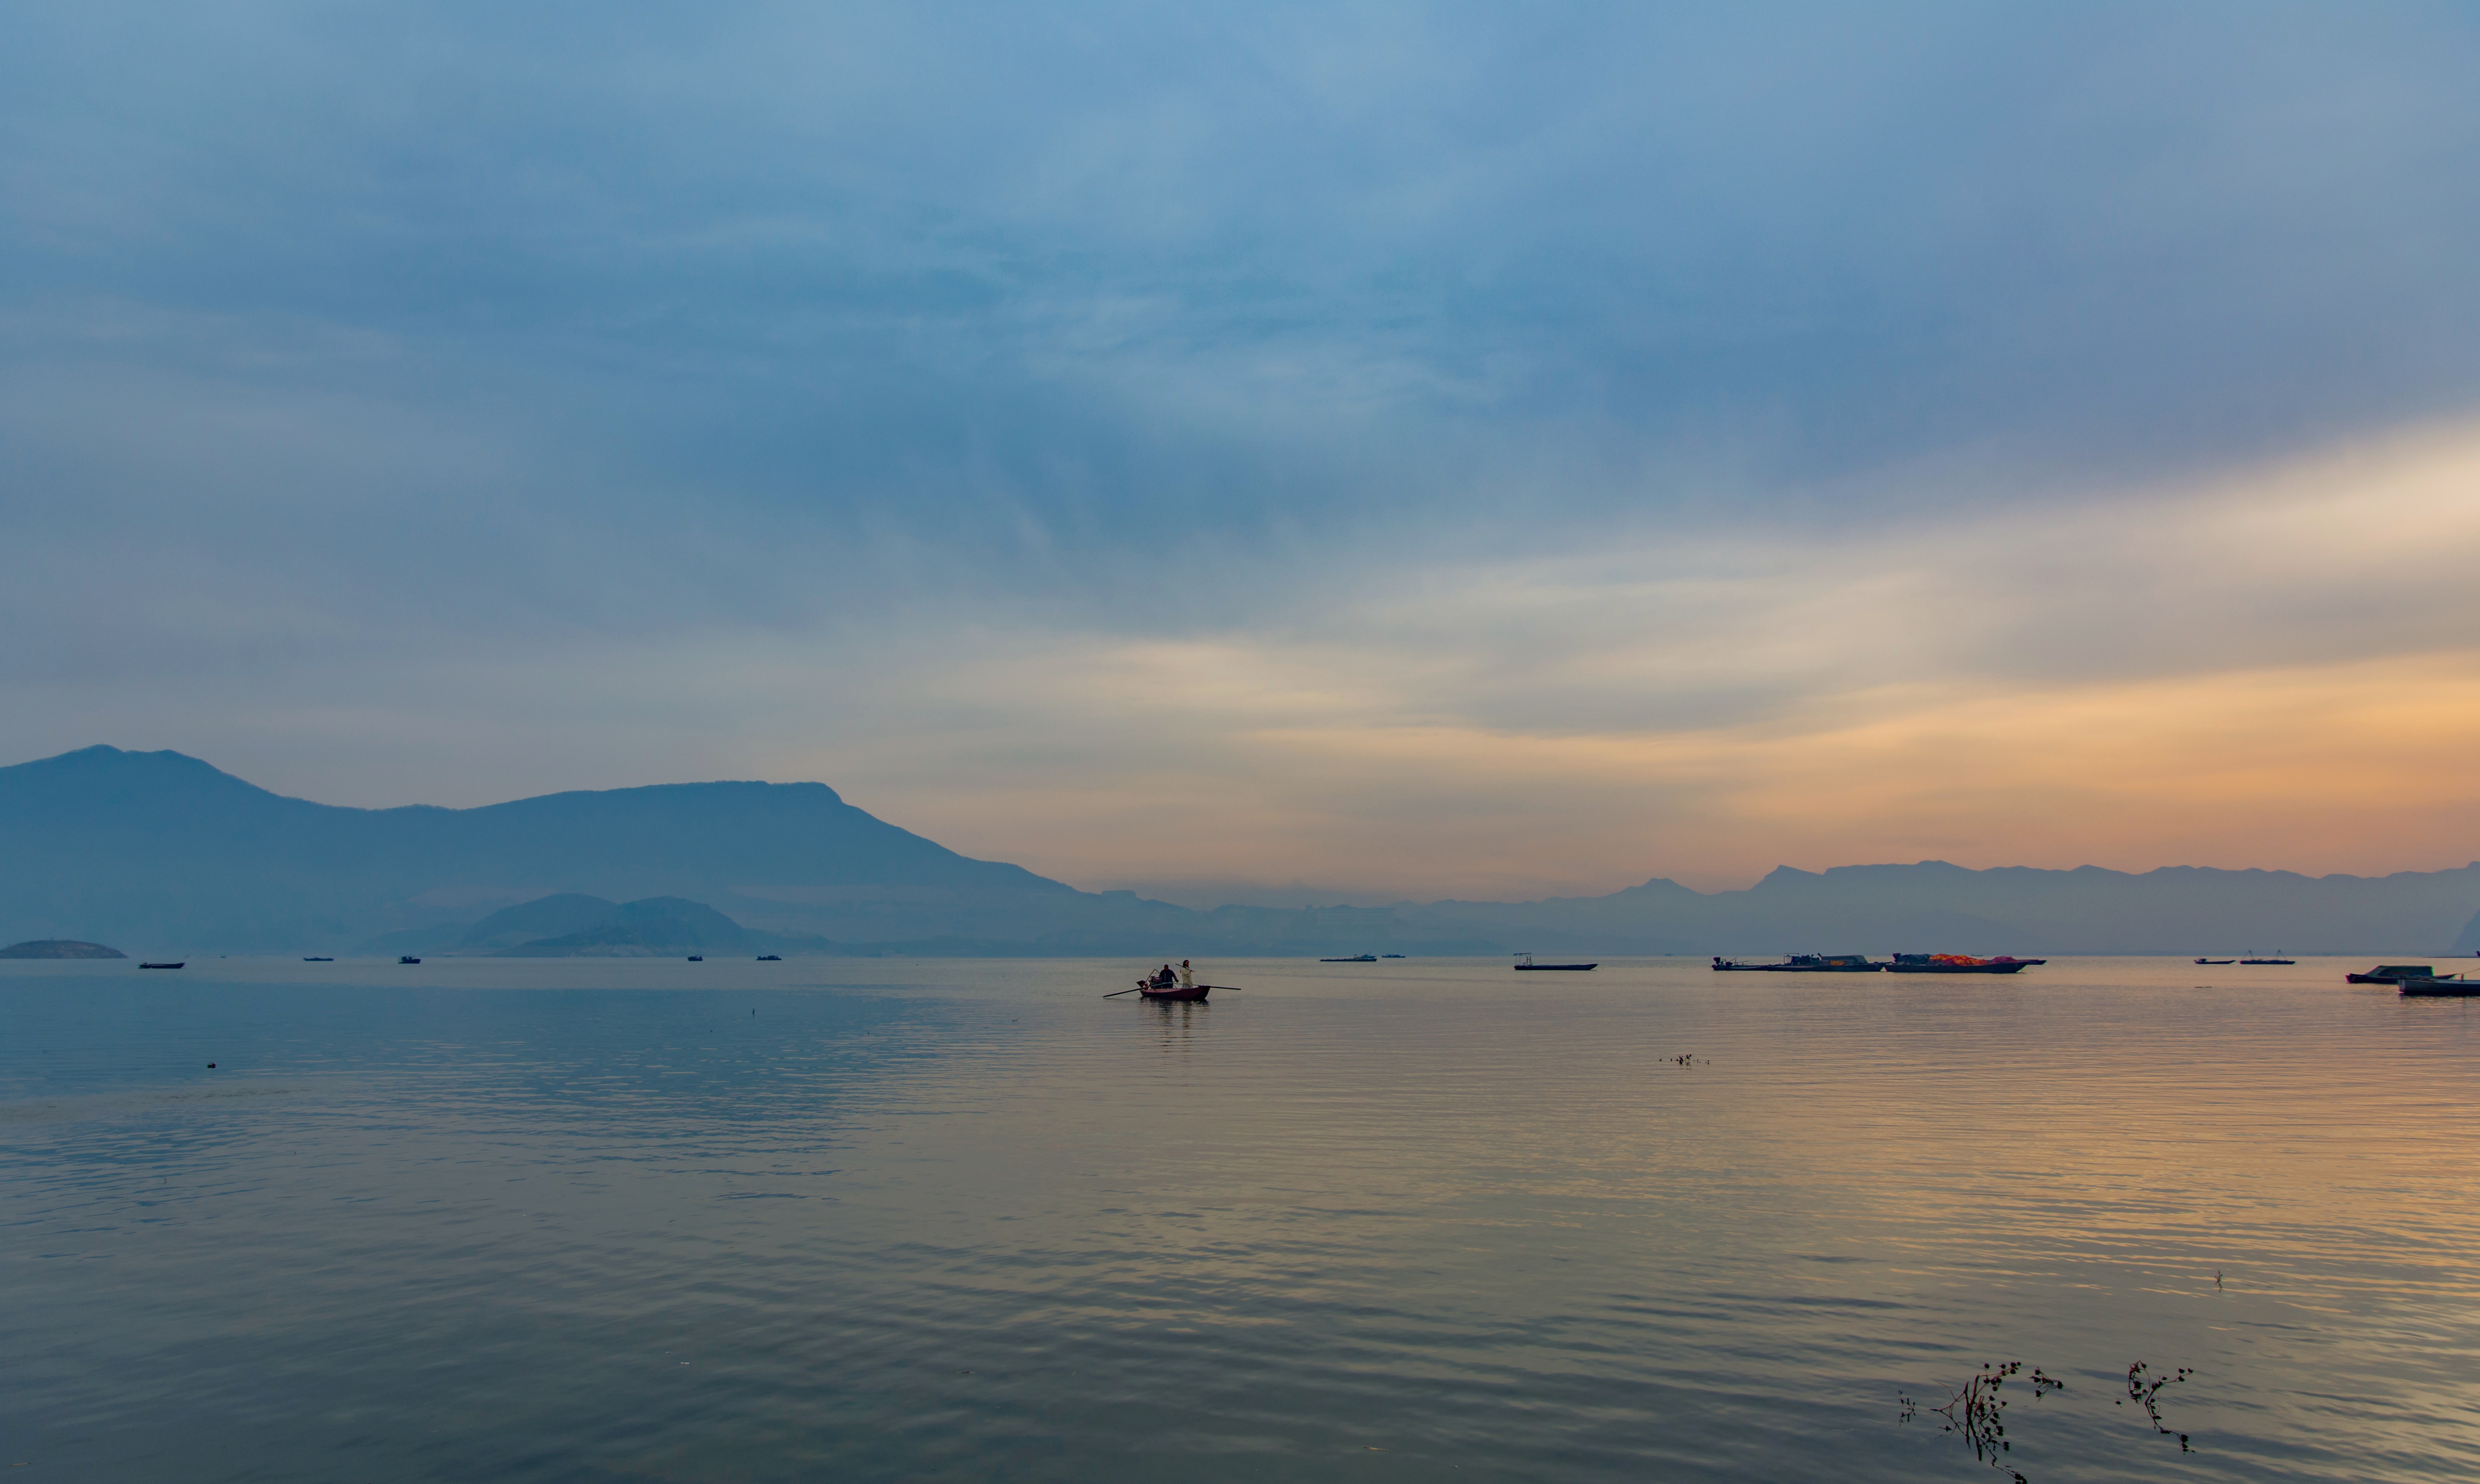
1978	1411
2146	1392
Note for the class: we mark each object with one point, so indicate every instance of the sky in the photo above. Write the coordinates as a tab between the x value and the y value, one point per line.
1271	453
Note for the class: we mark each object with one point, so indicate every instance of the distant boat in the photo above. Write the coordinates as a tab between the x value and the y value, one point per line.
2392	974
1802	964
1525	961
2216	960
1357	958
2453	986
1390	955
2268	961
697	957
164	965
408	959
770	958
1958	963
317	960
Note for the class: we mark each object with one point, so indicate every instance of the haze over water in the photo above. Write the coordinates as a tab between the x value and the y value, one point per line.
629	1220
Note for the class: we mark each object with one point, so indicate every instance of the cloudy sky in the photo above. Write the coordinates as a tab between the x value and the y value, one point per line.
1271	453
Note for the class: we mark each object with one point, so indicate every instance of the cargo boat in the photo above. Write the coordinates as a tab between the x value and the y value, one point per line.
1802	964
2453	987
1958	963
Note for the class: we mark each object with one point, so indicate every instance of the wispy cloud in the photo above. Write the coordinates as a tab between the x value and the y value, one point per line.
2268	669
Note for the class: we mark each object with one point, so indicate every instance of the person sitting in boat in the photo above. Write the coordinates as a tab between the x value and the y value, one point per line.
1164	978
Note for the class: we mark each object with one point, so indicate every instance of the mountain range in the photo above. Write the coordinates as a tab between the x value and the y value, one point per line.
570	925
163	851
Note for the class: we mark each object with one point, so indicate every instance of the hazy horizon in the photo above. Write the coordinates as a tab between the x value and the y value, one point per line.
1205	893
1376	452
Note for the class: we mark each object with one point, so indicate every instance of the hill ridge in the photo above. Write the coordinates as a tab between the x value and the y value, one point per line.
164	849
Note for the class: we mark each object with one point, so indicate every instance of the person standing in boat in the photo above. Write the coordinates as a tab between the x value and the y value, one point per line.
1187	977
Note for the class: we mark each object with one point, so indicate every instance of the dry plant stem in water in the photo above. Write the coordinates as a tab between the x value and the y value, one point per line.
1978	1411
2146	1392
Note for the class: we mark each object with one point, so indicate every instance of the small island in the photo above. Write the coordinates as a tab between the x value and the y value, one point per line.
58	948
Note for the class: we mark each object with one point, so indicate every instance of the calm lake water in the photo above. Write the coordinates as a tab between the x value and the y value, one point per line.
945	1220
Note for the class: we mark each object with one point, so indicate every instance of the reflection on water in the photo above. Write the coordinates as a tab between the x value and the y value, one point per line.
1175	1023
955	1219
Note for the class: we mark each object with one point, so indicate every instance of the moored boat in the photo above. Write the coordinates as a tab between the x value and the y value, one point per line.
2392	974
2217	960
1958	963
1802	964
2452	986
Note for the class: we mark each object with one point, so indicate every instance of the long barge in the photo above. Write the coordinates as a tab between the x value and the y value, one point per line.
1959	964
1861	964
2452	986
1802	964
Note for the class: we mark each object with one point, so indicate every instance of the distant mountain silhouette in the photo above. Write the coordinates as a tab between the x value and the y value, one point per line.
1933	904
60	948
654	926
562	916
163	850
658	925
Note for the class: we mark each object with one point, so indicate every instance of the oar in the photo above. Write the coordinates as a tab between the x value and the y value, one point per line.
1115	993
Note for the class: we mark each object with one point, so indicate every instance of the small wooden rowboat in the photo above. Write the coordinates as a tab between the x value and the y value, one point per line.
1174	991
